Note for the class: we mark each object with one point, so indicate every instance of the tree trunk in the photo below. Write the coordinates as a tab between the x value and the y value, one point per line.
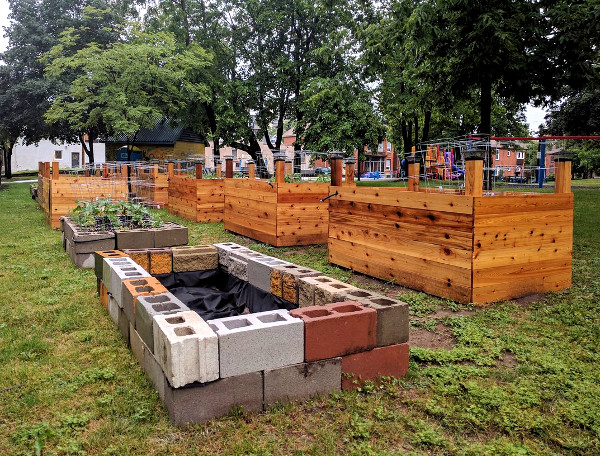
7	160
426	124
88	148
416	131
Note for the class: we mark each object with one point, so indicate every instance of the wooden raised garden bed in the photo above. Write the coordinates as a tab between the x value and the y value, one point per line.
280	214
199	200
458	246
152	186
58	194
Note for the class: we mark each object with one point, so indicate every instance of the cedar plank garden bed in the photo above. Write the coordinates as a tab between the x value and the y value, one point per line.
280	214
199	200
477	249
152	185
58	194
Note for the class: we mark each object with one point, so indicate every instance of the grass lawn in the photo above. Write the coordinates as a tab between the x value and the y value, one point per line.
521	377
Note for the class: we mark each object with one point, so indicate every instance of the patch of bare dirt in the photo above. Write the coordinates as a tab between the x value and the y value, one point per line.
528	300
439	314
442	338
369	283
508	360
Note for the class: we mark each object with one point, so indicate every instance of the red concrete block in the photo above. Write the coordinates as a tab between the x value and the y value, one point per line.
390	361
103	295
337	329
133	288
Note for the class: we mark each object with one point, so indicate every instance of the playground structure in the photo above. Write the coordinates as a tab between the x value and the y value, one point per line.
461	244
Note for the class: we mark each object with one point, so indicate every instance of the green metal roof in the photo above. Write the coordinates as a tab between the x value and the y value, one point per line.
163	134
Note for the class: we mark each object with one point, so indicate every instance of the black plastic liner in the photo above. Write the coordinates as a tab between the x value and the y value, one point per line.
216	294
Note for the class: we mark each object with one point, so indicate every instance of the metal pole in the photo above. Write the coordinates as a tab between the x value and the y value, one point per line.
542	170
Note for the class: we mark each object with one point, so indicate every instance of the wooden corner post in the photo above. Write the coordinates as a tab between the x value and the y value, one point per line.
229	167
474	176
279	168
350	163
337	163
562	183
251	169
55	170
198	170
414	170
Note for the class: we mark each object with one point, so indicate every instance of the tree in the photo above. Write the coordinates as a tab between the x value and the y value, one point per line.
73	107
25	92
340	116
130	85
265	53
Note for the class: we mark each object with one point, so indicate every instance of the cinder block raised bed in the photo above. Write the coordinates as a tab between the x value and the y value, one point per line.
258	356
81	245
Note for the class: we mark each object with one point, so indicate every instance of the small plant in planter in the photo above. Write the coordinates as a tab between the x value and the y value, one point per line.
105	215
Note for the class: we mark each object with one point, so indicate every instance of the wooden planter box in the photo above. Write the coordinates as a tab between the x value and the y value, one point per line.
58	194
465	248
200	200
152	187
277	214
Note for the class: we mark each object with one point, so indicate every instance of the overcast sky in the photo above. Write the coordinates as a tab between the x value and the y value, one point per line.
535	116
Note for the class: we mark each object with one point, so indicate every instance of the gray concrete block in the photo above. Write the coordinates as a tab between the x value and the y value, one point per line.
198	403
259	271
291	273
120	273
81	260
108	263
224	250
255	342
113	309
302	381
154	372
195	258
99	260
186	348
331	291
238	268
392	319
148	307
123	324
135	239
306	289
137	345
170	235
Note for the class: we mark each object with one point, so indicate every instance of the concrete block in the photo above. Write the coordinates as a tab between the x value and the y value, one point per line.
154	372
120	273
306	289
238	268
119	317
186	348
99	257
337	329
392	318
81	260
161	260
133	288
137	345
255	342
224	249
245	254
170	235
289	280
135	239
147	307
113	309
276	287
390	361
198	403
259	271
86	242
108	263
331	291
195	258
140	256
302	381
103	292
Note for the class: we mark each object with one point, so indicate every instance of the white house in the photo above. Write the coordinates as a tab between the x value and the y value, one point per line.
67	155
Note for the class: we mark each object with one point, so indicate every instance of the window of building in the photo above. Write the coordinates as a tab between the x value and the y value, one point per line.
508	153
380	147
497	154
388	164
389	146
520	155
58	155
